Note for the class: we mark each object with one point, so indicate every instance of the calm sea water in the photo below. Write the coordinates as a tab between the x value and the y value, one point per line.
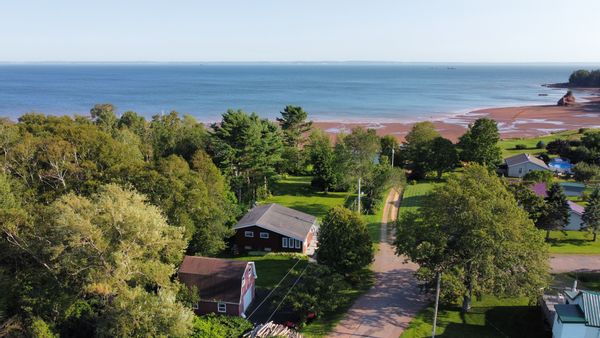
367	92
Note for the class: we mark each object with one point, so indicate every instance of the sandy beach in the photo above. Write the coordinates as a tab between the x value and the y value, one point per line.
513	122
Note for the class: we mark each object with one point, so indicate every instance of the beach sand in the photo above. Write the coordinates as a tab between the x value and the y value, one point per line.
513	122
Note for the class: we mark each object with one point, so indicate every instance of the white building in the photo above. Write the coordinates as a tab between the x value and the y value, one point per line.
520	165
575	213
579	317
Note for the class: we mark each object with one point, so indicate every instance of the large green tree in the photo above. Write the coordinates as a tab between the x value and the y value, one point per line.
417	149
111	256
444	156
322	158
344	242
473	232
556	213
528	200
480	143
294	124
591	214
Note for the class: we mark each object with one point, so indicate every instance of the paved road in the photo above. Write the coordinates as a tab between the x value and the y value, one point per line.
387	308
579	263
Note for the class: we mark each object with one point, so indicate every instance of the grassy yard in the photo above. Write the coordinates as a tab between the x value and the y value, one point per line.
508	145
414	194
573	242
585	280
296	192
271	268
490	317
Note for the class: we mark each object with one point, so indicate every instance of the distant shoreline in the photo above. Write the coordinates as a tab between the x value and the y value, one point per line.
513	122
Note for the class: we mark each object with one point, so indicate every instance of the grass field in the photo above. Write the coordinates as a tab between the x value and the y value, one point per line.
490	317
296	192
414	194
508	145
573	242
270	268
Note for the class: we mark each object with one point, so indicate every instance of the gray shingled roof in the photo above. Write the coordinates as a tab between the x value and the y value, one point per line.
277	218
522	158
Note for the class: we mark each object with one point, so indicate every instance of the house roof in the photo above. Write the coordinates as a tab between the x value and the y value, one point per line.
576	208
570	313
216	279
277	218
523	158
540	189
591	306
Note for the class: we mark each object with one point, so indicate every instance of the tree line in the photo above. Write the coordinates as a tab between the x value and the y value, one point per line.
585	78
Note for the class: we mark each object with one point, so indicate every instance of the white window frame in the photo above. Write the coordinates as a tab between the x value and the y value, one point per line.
264	235
298	244
243	282
284	242
221	310
195	306
249	234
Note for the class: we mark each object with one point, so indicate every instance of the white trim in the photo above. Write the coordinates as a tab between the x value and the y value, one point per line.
224	310
195	306
298	244
284	242
264	235
277	231
249	234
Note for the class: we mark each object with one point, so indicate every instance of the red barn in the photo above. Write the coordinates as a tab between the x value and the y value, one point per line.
273	227
225	286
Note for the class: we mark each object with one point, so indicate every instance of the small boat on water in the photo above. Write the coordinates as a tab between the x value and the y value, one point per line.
542	94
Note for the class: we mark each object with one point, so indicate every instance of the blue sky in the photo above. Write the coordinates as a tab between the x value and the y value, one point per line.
303	30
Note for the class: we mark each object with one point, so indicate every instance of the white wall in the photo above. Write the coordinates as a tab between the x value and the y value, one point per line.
574	222
521	169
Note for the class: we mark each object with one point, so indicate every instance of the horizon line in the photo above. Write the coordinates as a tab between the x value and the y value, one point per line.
315	62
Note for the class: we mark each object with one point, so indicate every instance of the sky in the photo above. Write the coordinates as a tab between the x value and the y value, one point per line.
300	30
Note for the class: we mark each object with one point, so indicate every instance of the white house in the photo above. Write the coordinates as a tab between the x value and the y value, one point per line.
575	213
579	317
520	165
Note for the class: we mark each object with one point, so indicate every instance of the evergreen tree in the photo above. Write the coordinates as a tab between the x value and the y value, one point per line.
556	212
591	215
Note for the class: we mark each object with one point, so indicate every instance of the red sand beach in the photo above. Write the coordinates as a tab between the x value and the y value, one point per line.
513	122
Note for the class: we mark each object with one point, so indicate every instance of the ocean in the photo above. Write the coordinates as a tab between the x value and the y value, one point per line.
329	92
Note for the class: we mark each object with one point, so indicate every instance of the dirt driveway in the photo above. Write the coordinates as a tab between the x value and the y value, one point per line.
387	308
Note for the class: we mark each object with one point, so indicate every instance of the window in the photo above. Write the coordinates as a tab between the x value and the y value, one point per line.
195	306
298	244
243	282
268	249
247	247
249	234
221	307
284	242
264	235
520	170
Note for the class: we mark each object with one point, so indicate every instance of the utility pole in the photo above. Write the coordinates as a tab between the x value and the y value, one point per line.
437	301
393	151
359	195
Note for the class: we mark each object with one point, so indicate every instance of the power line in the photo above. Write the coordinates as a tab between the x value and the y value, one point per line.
275	288
287	293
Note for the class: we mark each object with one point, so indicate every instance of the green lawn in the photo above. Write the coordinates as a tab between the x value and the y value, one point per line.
508	145
490	317
296	192
573	242
270	268
414	194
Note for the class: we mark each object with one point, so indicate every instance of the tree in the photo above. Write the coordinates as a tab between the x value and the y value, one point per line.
584	172
344	242
559	147
539	176
321	157
113	252
247	149
104	116
591	214
480	144
528	200
444	156
294	125
172	135
390	149
417	148
383	178
556	213
473	232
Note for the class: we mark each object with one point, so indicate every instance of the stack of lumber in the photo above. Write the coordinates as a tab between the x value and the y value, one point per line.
271	329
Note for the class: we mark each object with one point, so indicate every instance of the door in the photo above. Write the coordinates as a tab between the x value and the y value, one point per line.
247	299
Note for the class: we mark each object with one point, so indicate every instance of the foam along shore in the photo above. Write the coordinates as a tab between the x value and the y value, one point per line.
513	122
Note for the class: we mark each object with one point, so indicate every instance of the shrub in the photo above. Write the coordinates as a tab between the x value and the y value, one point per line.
539	176
540	145
521	146
213	325
582	130
583	172
558	147
574	143
544	157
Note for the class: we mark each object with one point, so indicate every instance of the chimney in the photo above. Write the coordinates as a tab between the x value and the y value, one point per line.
574	289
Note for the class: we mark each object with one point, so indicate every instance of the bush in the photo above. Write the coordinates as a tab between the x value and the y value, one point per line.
582	130
544	157
574	143
213	325
521	146
540	145
539	176
558	147
584	172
